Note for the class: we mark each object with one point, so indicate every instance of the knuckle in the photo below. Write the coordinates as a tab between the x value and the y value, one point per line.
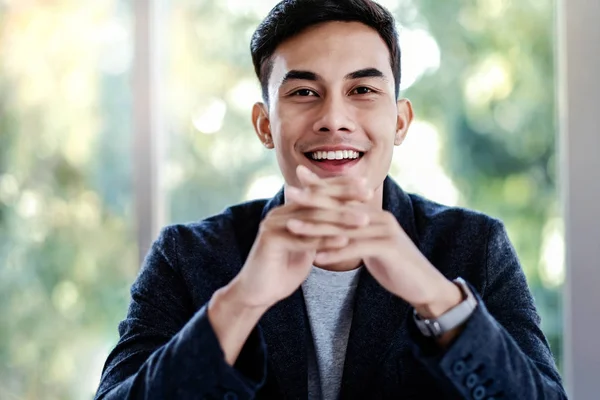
389	217
264	228
303	242
268	224
355	183
318	195
273	213
318	215
346	216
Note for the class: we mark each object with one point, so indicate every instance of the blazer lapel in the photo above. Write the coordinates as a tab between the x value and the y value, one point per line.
283	325
284	330
378	315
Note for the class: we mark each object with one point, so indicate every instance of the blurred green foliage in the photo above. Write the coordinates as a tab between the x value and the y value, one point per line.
67	247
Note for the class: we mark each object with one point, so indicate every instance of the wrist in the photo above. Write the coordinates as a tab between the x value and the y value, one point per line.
231	301
446	298
232	320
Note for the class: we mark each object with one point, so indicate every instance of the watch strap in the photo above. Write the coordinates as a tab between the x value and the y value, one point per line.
456	316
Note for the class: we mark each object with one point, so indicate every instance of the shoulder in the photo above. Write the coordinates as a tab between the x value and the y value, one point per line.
219	228
432	218
208	253
459	241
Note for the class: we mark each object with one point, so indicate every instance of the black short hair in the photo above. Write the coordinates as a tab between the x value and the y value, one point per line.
290	17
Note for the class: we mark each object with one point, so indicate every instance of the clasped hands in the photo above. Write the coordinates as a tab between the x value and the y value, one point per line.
327	222
370	234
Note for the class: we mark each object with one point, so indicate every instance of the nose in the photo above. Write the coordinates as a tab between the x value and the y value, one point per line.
334	116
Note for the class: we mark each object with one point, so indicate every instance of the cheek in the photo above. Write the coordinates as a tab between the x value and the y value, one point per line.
286	129
380	125
288	125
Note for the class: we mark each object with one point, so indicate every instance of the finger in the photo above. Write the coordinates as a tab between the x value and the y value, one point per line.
341	216
349	190
354	250
314	200
313	229
307	177
303	243
319	229
311	180
333	242
290	241
330	196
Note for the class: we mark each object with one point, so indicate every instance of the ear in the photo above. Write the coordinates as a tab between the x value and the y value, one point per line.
262	125
405	117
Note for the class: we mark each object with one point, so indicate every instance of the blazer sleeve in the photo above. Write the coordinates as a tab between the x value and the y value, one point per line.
169	350
501	352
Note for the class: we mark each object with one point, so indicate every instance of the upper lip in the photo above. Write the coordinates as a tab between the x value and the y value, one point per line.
334	148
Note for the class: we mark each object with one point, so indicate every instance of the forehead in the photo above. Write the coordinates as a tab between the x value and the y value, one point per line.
332	50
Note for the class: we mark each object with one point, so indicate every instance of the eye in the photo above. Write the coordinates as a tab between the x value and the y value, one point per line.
362	90
304	93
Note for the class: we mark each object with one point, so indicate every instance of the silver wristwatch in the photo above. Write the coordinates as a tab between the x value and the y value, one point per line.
450	319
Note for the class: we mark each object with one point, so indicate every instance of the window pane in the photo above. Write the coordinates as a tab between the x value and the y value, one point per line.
481	78
214	158
67	248
485	100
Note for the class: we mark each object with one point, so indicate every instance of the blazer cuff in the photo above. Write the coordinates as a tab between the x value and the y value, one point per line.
468	352
249	372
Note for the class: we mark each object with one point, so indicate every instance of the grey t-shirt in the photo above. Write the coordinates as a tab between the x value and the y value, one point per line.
329	298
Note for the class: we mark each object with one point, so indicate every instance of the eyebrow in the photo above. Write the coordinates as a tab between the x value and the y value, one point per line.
365	73
311	76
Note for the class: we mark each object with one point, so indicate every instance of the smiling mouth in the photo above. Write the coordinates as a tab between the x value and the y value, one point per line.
339	156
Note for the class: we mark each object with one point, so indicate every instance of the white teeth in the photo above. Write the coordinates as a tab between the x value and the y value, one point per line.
335	155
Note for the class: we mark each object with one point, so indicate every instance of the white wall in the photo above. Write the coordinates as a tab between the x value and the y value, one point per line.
579	77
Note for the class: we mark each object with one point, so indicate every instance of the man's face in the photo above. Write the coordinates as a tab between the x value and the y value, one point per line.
332	104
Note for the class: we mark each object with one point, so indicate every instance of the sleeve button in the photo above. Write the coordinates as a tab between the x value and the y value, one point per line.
472	380
459	368
230	396
479	393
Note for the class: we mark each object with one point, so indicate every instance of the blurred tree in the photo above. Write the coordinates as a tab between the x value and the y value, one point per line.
67	250
497	114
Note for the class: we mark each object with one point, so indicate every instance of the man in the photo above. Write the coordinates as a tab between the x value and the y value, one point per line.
342	285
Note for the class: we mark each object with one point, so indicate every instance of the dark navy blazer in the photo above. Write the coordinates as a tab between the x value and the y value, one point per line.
168	349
